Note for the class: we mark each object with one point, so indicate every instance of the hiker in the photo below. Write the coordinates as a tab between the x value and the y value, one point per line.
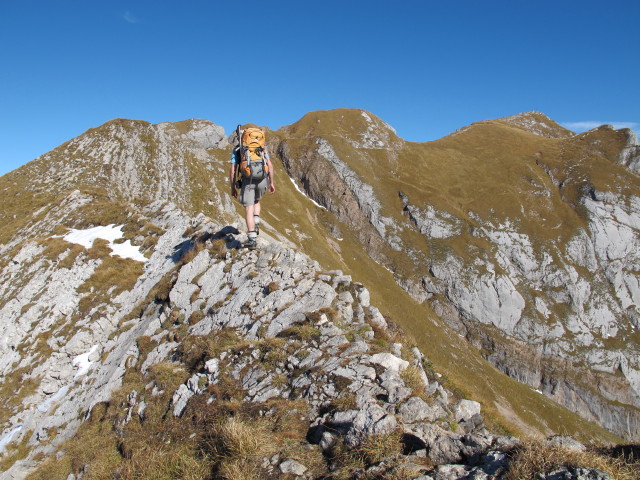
251	175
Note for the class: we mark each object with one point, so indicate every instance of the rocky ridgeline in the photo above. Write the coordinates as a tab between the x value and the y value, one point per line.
135	159
332	350
312	335
300	334
539	124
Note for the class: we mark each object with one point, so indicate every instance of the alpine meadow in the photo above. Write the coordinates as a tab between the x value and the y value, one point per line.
465	308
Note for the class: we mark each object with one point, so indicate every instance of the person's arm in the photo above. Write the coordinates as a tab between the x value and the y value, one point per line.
272	186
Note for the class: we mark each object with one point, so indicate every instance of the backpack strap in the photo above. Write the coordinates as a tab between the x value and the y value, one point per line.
265	166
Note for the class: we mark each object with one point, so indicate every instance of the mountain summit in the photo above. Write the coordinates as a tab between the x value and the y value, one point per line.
538	124
439	296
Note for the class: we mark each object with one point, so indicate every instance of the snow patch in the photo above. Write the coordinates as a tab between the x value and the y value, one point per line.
82	362
6	439
109	233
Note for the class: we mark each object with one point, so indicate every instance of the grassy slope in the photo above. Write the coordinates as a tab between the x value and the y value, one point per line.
478	170
507	404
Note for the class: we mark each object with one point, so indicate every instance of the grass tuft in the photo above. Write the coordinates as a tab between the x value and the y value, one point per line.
533	458
303	332
218	248
272	287
195	350
413	380
241	439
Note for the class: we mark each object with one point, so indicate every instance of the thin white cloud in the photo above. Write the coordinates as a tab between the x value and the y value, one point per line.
584	126
129	17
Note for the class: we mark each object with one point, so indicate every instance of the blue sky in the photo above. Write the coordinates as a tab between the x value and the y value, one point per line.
426	67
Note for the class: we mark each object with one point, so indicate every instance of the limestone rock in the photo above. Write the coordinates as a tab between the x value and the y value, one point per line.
565	473
465	409
292	467
416	410
389	361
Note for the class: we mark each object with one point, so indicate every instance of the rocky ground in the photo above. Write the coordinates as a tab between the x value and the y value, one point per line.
276	327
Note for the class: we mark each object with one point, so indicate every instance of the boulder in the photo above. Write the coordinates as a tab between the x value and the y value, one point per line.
293	467
416	410
389	361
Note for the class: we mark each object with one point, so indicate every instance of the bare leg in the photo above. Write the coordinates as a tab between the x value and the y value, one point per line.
248	216
249	212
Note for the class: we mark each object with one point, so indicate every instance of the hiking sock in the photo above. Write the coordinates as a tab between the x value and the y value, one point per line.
252	240
256	222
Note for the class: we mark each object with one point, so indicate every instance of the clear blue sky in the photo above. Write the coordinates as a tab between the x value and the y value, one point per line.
426	67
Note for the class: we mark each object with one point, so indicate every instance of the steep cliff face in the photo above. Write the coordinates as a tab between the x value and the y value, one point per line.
329	178
124	290
529	241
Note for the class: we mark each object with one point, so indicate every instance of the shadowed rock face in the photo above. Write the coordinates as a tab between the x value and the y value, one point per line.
331	183
520	235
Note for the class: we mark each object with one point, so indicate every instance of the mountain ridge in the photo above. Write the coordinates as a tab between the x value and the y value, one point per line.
412	236
540	178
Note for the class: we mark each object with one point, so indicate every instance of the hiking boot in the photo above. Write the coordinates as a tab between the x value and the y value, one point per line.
251	244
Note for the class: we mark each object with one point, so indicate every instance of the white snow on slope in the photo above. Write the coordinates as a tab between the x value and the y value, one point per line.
109	233
82	362
6	439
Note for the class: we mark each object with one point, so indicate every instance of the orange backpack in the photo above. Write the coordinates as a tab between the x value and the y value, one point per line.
252	162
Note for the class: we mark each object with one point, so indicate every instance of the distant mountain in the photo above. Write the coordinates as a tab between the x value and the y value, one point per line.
520	235
391	279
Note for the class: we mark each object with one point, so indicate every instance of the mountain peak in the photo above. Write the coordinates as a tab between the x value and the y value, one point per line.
346	122
538	124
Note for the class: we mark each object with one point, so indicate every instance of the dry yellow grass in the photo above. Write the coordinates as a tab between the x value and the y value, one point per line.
371	451
413	380
535	457
376	448
93	449
239	445
240	439
165	462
